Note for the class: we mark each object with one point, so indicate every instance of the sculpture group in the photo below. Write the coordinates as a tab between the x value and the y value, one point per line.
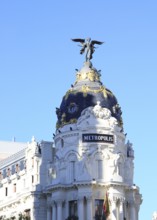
87	47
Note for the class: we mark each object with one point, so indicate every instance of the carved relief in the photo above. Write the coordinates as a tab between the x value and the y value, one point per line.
100	112
115	162
84	167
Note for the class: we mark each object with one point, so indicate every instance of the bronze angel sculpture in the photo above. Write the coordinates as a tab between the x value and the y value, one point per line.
87	46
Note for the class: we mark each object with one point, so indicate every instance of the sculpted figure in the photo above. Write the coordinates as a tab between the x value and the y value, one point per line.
87	46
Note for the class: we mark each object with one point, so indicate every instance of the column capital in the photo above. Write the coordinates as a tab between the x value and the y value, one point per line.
53	203
89	198
59	202
80	199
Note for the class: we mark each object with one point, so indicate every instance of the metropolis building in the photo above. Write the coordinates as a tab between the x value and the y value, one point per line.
86	173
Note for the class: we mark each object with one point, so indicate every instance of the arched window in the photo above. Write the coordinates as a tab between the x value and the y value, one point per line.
8	172
17	169
1	176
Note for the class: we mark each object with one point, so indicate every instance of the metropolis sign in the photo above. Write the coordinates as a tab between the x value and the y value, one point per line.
103	138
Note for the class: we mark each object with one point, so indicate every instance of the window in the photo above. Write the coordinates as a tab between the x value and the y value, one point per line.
32	179
6	191
99	212
8	172
17	168
62	142
14	187
27	212
72	170
73	208
32	161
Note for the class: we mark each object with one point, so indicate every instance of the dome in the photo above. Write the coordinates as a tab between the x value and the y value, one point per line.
86	92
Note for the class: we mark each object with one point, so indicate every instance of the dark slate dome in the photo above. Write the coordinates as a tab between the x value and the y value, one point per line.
86	92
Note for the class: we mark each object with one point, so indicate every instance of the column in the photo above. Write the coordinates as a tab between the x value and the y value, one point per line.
113	210
127	210
59	210
89	208
132	213
80	208
54	211
66	209
49	213
121	211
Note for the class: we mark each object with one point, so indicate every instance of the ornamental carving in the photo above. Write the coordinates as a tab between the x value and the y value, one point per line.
92	76
100	112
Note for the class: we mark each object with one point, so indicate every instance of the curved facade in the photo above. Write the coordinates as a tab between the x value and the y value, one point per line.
87	173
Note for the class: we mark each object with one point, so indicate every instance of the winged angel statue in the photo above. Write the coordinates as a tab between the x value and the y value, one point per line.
87	46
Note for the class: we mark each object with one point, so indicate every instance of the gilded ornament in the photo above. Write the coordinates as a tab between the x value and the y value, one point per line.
85	89
78	77
72	121
92	76
63	117
104	92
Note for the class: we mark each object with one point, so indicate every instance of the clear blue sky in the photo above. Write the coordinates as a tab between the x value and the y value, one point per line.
38	61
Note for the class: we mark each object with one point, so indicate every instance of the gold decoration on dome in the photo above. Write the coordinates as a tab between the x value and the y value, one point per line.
71	91
86	89
92	76
63	117
72	121
78	77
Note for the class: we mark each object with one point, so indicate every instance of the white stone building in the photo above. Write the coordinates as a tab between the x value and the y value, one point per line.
86	174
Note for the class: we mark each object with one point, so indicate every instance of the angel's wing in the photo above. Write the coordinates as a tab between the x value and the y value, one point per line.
96	42
79	40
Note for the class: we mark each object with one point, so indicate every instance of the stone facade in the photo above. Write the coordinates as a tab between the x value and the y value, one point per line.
22	179
87	173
